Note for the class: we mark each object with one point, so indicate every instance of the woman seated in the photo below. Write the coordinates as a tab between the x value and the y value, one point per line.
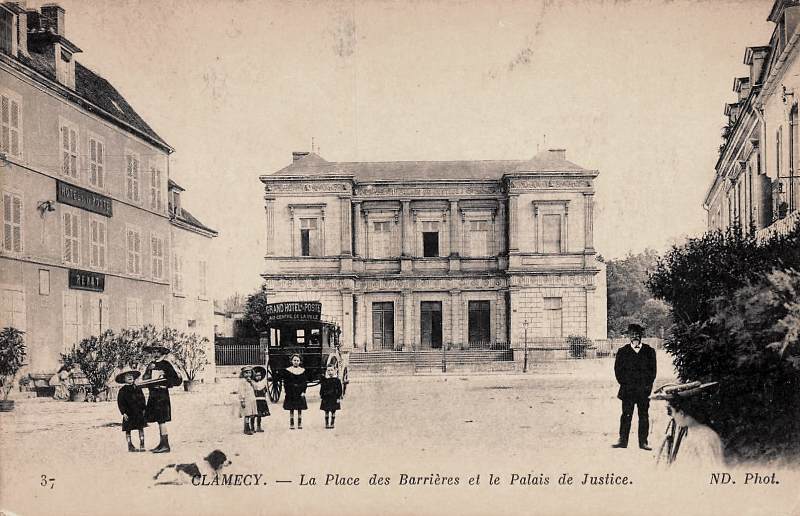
689	440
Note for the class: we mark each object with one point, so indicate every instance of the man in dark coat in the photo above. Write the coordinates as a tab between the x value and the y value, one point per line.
635	369
159	409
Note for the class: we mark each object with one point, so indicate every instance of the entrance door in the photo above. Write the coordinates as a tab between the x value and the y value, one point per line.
383	325
431	324
479	319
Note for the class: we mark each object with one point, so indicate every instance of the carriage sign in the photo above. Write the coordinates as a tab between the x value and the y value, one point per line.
302	310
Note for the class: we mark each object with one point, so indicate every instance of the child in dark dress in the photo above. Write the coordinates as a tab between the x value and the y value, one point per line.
330	391
130	401
260	390
294	379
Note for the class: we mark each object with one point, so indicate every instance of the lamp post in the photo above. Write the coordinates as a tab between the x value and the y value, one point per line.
525	355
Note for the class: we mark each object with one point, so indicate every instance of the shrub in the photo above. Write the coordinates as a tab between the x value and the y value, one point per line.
737	322
578	344
188	352
12	356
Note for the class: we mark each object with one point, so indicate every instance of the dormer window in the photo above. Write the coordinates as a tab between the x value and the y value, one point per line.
6	31
65	67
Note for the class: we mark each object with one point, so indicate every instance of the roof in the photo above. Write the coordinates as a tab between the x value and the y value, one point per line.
98	91
314	165
184	216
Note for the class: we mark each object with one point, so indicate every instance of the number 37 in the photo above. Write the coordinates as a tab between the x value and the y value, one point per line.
48	482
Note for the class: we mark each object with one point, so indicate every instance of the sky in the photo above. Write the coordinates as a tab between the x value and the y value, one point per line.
634	89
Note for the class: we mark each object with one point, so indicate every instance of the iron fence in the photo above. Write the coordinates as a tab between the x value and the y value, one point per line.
237	351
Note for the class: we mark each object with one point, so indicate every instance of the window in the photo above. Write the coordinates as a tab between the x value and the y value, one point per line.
71	230
157	256
132	177
99	313
133	313
134	251
178	319
380	239
778	150
552	317
44	282
551	233
69	150
97	163
550	226
478	238
383	325
479	323
73	310
159	314
155	189
430	239
97	243
203	278
309	237
12	222
177	273
10	124
6	31
12	308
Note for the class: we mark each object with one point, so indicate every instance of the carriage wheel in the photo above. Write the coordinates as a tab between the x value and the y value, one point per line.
273	387
345	381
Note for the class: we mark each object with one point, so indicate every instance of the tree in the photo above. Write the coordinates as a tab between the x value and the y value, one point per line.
629	300
737	321
255	309
12	355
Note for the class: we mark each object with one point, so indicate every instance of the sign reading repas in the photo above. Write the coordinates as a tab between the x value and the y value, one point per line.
305	310
82	198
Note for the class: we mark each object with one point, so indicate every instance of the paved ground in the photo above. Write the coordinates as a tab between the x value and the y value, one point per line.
535	426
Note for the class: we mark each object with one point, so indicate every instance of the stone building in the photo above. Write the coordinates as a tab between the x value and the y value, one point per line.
88	233
756	177
420	255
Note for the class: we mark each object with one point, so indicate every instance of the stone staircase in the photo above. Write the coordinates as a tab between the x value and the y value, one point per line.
430	361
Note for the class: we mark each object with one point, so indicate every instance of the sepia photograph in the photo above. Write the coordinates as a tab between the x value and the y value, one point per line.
400	257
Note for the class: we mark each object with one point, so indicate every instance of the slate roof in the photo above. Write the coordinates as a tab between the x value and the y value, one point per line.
98	91
313	165
188	218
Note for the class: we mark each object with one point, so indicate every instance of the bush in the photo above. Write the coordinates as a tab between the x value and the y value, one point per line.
188	352
737	322
12	356
578	344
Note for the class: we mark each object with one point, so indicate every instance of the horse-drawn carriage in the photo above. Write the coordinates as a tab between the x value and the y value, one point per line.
297	328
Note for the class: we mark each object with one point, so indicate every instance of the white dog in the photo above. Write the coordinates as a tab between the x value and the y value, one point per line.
184	473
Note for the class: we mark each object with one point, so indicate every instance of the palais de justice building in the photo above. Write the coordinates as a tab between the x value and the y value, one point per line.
417	255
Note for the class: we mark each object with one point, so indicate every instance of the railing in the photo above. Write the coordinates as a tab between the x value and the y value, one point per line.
237	351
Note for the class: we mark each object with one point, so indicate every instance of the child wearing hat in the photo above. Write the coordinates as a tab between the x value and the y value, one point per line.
247	399
162	377
330	391
260	391
131	404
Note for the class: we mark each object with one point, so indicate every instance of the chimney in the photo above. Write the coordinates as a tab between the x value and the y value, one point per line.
53	18
22	31
560	154
298	155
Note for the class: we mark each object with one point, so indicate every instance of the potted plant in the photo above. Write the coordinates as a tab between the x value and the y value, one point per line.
189	354
12	356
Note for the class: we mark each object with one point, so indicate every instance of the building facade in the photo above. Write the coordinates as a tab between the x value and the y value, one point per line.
756	177
421	255
87	230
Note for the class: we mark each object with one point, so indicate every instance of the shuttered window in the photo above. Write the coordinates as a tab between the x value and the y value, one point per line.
12	222
12	309
97	163
157	256
72	316
69	151
98	234
134	251
71	231
132	177
10	124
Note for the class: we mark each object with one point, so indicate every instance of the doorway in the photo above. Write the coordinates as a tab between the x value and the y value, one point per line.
431	325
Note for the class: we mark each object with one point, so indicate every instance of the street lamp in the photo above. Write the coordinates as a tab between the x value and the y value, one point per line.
525	361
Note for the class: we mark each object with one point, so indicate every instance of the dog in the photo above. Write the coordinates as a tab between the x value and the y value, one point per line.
178	474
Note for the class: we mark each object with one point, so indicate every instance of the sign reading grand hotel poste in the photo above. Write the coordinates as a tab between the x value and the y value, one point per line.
84	199
307	310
